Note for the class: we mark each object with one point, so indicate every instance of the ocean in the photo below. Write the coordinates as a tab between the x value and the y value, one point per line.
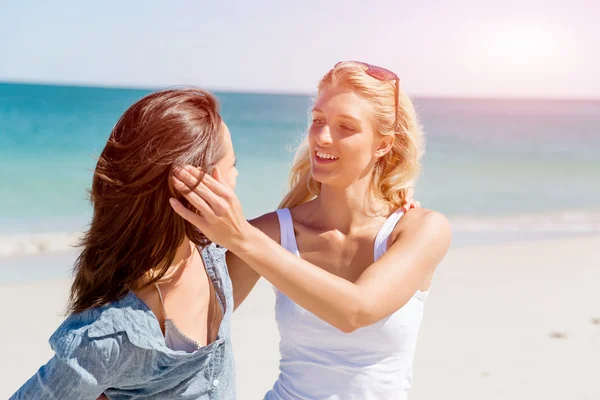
499	169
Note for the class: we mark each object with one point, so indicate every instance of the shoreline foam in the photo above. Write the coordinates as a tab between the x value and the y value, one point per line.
567	223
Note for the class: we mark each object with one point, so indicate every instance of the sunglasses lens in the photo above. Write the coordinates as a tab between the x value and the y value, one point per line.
381	73
376	72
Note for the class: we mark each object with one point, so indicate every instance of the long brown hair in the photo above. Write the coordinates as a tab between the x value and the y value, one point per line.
134	230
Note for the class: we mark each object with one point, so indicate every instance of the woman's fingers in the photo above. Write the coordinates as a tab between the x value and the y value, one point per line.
193	197
186	180
218	204
198	193
408	199
216	186
192	176
412	204
189	176
185	213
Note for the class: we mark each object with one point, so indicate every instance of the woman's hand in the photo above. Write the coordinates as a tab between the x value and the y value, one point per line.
409	202
219	212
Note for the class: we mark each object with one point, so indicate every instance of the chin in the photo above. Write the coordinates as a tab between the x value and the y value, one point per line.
324	178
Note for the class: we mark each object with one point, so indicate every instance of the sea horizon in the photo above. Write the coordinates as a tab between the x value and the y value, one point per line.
496	167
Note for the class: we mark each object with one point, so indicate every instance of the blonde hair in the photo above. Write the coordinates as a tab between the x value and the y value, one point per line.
394	172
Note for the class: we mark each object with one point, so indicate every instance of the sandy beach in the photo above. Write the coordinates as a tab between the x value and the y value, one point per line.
509	321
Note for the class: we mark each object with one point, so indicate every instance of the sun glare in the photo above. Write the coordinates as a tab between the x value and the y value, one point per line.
521	45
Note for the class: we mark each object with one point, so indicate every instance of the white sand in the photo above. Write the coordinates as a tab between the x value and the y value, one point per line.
487	334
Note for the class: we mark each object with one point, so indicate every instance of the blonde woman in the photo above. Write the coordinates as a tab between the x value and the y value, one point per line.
352	270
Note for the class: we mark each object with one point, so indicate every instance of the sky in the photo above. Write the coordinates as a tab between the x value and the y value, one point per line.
461	48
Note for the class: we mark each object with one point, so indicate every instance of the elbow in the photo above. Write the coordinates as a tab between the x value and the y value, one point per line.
347	326
358	317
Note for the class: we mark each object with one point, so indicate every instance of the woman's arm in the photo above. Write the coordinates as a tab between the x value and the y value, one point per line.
383	288
81	369
65	379
242	276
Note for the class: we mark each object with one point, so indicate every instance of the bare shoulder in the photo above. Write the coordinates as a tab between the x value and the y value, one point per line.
268	224
149	295
424	223
419	216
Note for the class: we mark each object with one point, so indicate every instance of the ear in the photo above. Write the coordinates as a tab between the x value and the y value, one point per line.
385	146
215	173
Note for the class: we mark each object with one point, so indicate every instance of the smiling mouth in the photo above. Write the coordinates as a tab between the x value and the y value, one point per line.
325	157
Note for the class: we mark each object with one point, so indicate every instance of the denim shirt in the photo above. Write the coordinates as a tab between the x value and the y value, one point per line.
119	350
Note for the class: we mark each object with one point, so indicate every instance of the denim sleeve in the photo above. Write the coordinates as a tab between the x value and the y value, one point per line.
81	369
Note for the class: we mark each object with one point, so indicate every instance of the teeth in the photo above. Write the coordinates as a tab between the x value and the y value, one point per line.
326	156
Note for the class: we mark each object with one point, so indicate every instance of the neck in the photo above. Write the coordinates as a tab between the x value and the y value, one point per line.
183	258
184	253
353	205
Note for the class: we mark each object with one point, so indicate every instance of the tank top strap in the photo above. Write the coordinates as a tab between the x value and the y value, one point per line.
286	230
381	240
162	303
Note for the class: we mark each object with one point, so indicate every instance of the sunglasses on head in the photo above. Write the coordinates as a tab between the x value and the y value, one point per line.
381	74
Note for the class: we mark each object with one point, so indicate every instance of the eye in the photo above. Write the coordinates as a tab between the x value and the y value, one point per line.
347	128
318	121
235	162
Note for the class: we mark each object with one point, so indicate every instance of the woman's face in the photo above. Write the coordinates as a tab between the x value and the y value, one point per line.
343	142
227	164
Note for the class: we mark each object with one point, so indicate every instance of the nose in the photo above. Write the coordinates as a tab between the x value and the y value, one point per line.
324	137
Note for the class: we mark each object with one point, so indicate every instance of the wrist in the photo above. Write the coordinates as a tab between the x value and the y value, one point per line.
243	244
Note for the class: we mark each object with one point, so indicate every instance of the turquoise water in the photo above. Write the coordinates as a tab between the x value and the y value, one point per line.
486	161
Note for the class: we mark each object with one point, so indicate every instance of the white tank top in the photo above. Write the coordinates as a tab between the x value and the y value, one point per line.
319	361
